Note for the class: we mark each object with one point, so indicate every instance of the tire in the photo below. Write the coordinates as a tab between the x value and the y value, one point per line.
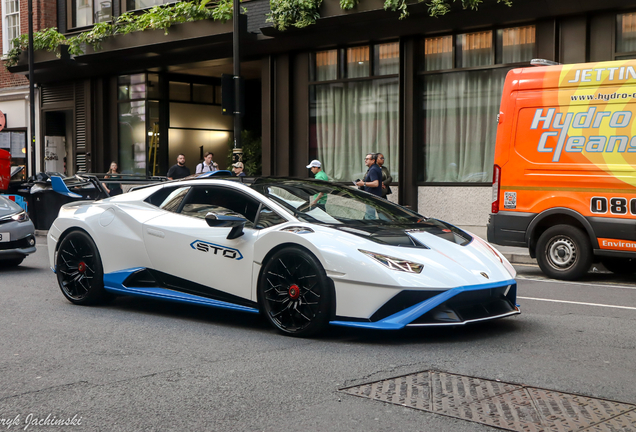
294	293
621	266
79	270
564	252
11	262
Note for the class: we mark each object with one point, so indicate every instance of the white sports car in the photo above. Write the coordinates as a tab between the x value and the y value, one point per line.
305	253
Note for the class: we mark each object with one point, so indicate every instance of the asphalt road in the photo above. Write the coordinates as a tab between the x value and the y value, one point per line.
140	365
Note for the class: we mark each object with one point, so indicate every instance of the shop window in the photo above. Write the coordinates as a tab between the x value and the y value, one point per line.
626	35
458	107
475	49
15	143
356	113
459	127
386	59
10	23
358	62
132	123
438	53
516	44
325	66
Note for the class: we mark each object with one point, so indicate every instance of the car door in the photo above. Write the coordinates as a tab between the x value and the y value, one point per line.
180	242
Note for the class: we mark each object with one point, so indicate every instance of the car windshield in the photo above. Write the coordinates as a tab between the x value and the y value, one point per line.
323	202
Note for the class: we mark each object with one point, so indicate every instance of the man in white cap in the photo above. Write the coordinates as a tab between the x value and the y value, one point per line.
316	169
238	169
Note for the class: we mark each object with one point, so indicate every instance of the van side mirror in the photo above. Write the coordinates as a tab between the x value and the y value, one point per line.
225	221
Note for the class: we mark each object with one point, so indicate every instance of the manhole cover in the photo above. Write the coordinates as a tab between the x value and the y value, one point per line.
503	405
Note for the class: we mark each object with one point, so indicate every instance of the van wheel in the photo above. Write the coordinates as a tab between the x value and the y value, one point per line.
564	252
621	266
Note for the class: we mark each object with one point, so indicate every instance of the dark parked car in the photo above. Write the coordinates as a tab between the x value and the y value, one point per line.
17	233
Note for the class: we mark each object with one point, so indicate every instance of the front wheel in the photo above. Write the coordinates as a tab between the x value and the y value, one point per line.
564	252
294	292
79	270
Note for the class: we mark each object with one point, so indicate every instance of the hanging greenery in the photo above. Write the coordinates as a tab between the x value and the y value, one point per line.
302	13
284	14
155	18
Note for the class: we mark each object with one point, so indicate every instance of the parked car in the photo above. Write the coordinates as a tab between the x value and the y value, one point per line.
17	233
305	253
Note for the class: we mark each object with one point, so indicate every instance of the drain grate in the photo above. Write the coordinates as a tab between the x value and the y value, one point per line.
502	405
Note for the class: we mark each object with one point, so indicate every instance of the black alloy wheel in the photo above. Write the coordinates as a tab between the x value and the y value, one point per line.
79	270
294	292
564	252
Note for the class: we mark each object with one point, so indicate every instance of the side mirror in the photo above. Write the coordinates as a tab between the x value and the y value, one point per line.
224	221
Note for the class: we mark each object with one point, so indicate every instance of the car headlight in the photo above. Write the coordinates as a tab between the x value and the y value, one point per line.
20	217
395	263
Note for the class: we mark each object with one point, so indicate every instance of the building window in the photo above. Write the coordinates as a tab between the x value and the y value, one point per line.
10	23
626	36
88	12
459	107
132	116
142	4
354	97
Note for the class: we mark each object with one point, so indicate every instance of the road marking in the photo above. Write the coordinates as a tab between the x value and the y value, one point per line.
578	303
591	283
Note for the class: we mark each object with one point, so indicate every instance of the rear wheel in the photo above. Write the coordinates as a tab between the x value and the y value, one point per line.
294	292
79	270
621	266
564	252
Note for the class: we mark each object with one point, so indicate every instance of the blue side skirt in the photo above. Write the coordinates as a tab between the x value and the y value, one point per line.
113	282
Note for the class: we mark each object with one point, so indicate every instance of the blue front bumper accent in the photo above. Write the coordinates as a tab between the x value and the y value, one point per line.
113	282
403	318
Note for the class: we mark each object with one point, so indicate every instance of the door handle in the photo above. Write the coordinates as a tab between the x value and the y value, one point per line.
156	233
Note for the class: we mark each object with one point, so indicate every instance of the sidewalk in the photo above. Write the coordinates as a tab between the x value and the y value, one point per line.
516	255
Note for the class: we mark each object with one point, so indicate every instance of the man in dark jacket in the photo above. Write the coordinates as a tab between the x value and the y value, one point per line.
372	181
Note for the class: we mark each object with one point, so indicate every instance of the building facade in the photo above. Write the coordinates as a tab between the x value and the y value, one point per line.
423	91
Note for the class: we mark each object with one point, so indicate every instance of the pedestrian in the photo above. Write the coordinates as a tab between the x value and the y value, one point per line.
316	169
207	165
319	200
372	181
386	177
112	188
237	168
179	170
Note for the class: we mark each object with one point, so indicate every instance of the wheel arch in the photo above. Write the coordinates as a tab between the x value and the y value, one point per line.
557	216
70	230
331	287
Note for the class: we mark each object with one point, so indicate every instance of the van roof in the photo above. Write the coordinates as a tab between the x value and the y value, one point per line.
611	73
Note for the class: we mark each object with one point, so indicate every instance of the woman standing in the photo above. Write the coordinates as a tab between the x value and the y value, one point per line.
112	188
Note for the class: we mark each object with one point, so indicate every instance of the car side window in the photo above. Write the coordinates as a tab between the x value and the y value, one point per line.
221	201
268	218
172	201
168	198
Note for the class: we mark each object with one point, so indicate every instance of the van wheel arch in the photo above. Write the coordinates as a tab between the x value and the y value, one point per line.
557	216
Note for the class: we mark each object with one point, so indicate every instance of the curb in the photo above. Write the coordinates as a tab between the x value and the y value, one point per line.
519	258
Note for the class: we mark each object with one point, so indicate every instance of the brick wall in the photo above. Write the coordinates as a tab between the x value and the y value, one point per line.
44	16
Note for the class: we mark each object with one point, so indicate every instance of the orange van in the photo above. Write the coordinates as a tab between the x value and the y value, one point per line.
564	180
